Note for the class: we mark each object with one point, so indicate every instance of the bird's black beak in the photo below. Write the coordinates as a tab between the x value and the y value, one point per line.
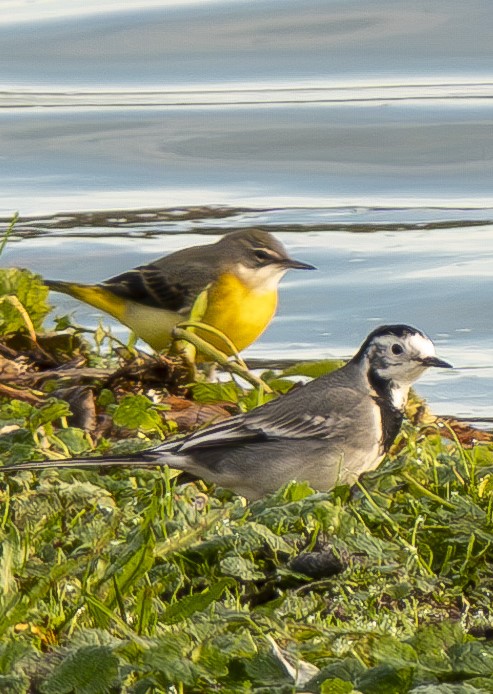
293	264
435	361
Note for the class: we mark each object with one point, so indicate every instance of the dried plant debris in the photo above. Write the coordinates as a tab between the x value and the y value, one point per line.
138	581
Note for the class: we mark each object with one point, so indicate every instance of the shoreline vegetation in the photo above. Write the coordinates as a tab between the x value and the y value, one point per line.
133	581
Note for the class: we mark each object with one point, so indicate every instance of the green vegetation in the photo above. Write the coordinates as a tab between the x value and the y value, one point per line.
129	581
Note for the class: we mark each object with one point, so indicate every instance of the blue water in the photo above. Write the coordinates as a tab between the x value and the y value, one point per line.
360	132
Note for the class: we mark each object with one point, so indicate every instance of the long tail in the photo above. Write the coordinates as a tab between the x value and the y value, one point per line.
92	294
153	457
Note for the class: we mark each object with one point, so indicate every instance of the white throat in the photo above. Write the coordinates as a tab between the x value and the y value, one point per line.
396	392
262	280
398	395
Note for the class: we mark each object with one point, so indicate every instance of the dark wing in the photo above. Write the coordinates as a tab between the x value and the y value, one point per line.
277	420
240	430
318	410
150	286
172	282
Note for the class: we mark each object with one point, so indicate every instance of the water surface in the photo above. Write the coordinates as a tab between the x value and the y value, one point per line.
360	132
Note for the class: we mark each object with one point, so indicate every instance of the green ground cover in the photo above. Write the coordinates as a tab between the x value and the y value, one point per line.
130	581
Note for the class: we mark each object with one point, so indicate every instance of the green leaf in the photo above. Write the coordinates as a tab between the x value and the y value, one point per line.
80	492
472	658
280	385
341	669
187	606
29	291
336	686
251	399
390	651
144	609
465	688
199	307
106	397
16	410
238	644
14	684
314	369
257	534
213	660
169	657
398	591
296	491
17	447
385	679
75	440
12	653
53	410
432	642
63	323
215	392
241	568
267	670
376	548
138	412
132	564
482	684
90	670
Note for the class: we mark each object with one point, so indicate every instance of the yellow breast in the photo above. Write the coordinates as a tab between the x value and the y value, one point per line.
239	311
235	307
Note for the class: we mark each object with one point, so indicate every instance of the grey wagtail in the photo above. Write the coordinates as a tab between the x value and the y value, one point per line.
328	431
240	274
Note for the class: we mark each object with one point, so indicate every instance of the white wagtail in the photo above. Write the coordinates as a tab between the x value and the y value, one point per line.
327	432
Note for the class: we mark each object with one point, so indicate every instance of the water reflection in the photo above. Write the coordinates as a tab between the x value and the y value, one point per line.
306	155
231	41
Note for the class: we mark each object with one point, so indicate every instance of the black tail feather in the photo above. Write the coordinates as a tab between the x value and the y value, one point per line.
137	460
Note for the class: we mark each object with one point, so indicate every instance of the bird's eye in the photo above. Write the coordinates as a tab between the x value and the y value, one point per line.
396	349
262	256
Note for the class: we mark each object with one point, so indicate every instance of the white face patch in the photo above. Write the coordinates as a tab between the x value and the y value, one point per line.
263	279
420	345
399	361
394	361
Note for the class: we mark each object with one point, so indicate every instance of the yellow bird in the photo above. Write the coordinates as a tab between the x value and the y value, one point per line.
239	274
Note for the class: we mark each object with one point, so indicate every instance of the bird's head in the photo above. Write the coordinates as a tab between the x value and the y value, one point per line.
258	258
398	355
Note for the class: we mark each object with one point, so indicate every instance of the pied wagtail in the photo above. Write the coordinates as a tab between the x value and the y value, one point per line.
329	431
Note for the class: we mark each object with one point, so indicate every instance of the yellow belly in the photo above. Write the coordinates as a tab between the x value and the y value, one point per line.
153	325
238	311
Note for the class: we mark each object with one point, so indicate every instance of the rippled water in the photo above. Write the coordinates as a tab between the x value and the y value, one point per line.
360	132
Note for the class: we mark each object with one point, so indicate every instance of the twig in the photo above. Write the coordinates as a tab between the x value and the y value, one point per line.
426	492
14	301
79	373
214	331
220	357
18	394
